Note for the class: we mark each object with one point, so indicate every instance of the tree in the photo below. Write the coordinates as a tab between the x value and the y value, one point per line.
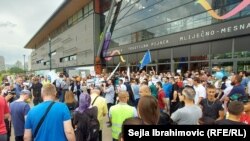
16	70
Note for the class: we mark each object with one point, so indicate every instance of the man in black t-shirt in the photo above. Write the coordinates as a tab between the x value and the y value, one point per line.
235	110
211	107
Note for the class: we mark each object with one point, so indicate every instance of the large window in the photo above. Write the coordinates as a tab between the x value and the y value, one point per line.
241	47
181	54
222	49
68	58
132	59
164	56
199	52
147	19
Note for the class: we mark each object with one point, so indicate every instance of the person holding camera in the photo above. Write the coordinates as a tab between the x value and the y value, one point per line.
19	109
109	92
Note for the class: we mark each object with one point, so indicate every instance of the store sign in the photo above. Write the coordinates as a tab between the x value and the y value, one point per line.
231	13
208	33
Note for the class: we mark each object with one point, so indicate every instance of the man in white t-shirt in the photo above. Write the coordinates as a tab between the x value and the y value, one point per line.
200	91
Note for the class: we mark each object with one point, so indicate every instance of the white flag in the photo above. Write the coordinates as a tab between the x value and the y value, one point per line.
113	71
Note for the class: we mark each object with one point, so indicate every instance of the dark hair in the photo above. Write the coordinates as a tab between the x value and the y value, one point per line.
130	121
144	83
211	87
235	107
197	79
238	78
159	84
149	110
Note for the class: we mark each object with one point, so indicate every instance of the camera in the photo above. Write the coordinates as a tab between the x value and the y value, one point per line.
6	84
12	92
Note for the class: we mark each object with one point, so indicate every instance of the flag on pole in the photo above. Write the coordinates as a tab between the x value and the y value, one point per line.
128	73
113	71
145	60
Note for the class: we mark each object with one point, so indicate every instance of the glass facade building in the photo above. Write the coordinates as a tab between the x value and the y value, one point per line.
183	34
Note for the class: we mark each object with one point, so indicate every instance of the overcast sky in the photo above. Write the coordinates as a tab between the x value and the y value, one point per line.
19	22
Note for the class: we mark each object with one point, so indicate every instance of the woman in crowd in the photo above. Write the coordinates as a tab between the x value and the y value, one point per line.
148	110
82	117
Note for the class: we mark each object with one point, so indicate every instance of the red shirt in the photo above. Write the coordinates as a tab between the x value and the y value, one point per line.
4	109
161	96
245	118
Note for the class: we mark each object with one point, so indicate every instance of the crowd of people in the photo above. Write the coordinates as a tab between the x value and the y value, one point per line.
75	108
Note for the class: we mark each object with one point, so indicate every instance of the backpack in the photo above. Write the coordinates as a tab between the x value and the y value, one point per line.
87	126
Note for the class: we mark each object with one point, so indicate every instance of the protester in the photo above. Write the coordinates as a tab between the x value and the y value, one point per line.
118	113
19	110
109	92
162	101
129	121
36	91
101	104
190	113
144	90
4	114
56	125
148	110
82	118
211	107
235	109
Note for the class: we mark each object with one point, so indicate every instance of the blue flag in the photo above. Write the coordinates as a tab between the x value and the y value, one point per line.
145	60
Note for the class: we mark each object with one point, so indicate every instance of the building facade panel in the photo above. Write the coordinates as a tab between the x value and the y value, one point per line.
184	34
73	47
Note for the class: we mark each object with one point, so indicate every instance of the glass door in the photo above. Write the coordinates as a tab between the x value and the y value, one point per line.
225	66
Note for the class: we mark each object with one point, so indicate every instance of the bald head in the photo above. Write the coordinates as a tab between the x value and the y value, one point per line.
123	96
144	90
96	91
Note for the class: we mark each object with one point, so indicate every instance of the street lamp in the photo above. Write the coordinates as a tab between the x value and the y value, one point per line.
49	54
24	62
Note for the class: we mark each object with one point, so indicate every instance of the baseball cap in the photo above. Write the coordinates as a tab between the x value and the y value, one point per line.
25	92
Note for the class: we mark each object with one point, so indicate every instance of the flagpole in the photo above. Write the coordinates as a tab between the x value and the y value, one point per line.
113	71
128	71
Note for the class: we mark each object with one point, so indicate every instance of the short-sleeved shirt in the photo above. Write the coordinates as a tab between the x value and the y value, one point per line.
228	122
188	115
18	110
101	105
4	109
18	90
239	89
109	94
52	128
161	96
200	91
211	109
153	90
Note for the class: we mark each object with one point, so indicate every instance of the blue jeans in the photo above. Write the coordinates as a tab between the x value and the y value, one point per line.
3	137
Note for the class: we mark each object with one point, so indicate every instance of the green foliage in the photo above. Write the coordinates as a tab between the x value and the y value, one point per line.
15	70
